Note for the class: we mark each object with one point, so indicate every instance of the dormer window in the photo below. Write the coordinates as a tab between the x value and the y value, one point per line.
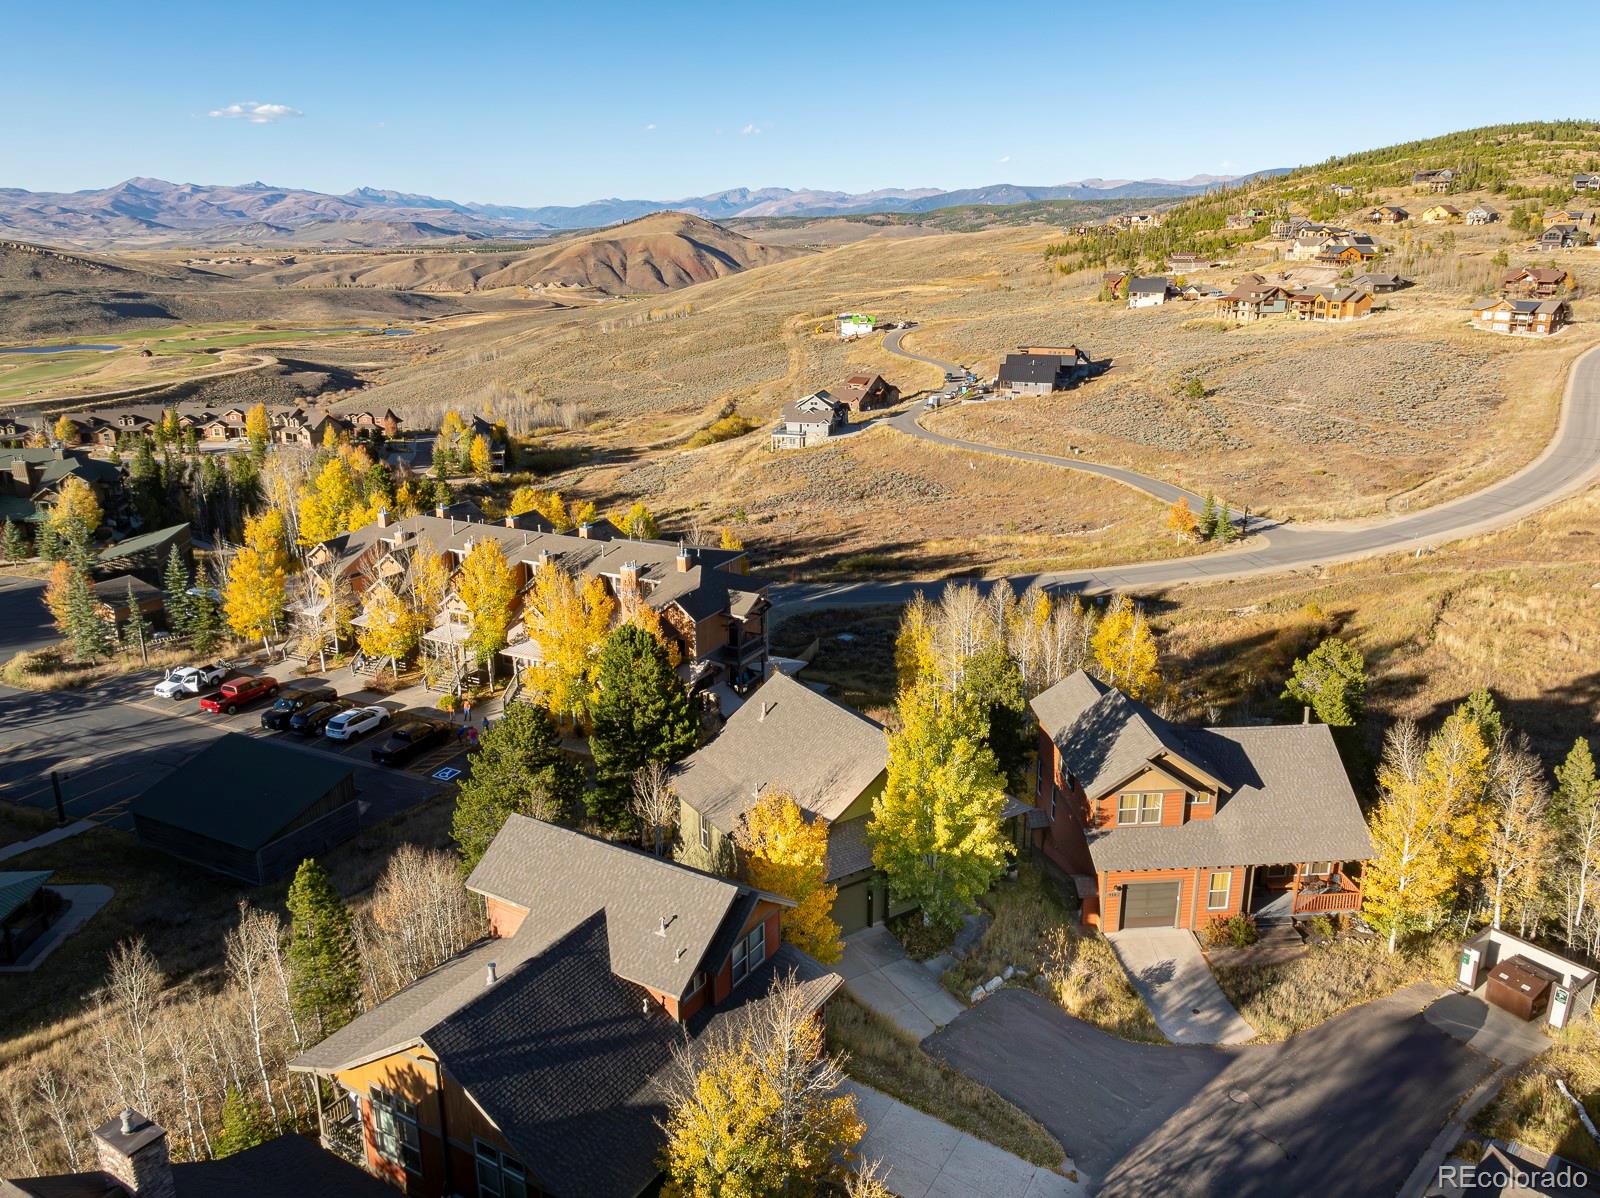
749	953
1139	807
1199	799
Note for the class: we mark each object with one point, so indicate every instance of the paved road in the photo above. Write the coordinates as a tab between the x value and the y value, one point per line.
24	622
113	742
1569	463
1351	1104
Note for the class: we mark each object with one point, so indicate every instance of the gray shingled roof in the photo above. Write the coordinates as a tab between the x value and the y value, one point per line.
560	877
789	737
849	848
1156	285
1286	795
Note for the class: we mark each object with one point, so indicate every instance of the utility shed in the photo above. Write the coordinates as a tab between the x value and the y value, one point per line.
249	808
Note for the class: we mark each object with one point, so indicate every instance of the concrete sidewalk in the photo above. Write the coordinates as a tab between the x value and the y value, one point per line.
879	975
1170	973
921	1157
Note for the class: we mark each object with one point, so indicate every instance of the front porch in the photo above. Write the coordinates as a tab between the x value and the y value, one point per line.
1285	893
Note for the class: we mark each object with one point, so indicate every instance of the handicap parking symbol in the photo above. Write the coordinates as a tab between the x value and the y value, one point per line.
445	774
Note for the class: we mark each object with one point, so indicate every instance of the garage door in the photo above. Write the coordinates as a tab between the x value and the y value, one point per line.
1150	905
852	909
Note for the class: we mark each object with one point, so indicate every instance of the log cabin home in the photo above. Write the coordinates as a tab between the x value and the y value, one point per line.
1331	303
1523	317
531	1063
1169	826
710	607
1536	282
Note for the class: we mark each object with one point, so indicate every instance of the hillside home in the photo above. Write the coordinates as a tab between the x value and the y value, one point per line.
1287	228
531	1063
1563	237
1435	181
287	424
711	610
1199	291
1331	303
1536	282
1187	260
1141	220
1039	370
1343	190
1380	282
1149	292
1481	214
1441	214
866	392
851	325
1115	282
1251	300
810	421
1342	254
829	759
14	433
1523	317
31	480
1389	214
1238	220
1586	182
134	1162
1169	826
1574	216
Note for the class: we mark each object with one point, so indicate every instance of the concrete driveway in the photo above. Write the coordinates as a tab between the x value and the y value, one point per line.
921	1157
1351	1105
1170	972
879	975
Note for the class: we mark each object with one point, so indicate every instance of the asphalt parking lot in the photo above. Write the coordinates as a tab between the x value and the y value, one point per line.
111	743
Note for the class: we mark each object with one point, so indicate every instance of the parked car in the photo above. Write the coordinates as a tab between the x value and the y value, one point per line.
348	725
190	680
239	692
310	720
277	717
410	740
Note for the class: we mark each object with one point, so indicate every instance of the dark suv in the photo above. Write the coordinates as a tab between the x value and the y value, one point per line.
277	716
410	740
308	721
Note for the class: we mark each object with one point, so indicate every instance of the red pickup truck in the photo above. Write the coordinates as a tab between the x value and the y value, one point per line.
239	692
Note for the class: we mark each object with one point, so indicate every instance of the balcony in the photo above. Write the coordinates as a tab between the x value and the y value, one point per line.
1327	896
341	1132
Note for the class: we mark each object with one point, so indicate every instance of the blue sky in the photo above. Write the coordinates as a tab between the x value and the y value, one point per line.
561	102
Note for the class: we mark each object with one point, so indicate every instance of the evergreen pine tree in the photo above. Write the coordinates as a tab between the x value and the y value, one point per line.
244	1124
641	713
205	624
1208	516
91	636
15	544
175	595
519	769
136	633
1222	523
48	542
324	970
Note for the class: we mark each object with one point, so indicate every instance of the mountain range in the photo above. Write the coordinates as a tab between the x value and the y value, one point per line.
153	213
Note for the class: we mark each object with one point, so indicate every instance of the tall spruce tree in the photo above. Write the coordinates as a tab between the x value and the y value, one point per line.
641	713
15	543
205	624
1208	516
519	769
244	1124
324	969
136	632
175	581
91	636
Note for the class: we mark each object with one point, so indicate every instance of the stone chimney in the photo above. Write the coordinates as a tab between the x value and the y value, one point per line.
586	530
684	560
440	511
511	522
383	517
630	574
134	1151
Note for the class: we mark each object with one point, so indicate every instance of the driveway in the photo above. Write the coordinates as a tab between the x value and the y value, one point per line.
1169	971
879	975
1350	1105
921	1157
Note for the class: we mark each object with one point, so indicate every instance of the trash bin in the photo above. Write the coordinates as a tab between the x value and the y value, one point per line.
1521	987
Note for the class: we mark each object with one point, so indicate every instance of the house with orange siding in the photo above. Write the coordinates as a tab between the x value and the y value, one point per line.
1163	825
532	1062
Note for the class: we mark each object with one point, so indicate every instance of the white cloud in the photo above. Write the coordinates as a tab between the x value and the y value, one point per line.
650	128
1004	158
750	130
255	112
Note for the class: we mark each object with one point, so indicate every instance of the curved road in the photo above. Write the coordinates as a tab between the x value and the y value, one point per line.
1570	462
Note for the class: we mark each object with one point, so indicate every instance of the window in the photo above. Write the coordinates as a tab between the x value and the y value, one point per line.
394	1130
1199	799
749	953
697	983
1052	809
499	1175
705	834
1318	869
1217	893
1139	808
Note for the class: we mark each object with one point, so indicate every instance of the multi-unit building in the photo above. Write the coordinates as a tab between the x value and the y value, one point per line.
1169	826
532	1063
288	424
715	614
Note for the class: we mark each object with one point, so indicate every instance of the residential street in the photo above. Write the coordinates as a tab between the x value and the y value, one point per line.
24	622
1350	1105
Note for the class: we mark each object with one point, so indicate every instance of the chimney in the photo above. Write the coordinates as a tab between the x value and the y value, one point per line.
134	1151
383	517
585	530
488	974
511	521
630	574
684	560
439	511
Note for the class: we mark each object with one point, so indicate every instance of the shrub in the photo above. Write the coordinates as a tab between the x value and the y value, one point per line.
725	429
1237	931
449	703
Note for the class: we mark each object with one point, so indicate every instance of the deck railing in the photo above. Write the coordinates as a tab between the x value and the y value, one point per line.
1343	895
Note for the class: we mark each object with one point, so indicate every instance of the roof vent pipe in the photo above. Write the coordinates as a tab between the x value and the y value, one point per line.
1305	715
488	979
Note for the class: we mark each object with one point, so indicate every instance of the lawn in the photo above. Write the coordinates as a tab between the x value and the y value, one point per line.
1034	929
1280	1000
882	1056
